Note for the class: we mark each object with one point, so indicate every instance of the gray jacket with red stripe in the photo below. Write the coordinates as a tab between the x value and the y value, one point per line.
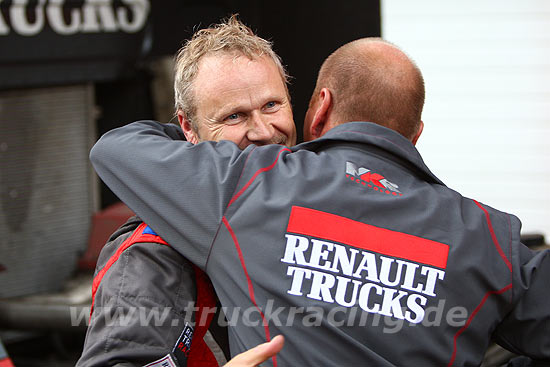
144	295
347	245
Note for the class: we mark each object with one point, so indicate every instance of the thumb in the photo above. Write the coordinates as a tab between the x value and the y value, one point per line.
258	354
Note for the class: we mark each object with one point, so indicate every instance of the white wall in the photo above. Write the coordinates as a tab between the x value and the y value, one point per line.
486	65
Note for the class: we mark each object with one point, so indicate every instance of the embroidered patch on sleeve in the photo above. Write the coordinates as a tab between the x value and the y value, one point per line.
183	345
166	361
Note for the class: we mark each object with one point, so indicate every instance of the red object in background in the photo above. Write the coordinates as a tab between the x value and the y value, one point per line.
5	360
104	223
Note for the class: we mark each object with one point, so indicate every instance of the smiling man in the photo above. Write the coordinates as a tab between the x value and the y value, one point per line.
229	85
238	98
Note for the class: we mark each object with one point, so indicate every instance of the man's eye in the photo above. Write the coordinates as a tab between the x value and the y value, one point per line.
233	118
270	104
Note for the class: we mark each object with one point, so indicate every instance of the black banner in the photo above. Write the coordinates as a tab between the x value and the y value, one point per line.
45	42
49	42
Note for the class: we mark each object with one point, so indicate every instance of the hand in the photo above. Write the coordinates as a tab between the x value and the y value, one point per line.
258	354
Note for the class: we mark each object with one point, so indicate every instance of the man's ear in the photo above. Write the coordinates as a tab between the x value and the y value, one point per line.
320	122
418	133
190	134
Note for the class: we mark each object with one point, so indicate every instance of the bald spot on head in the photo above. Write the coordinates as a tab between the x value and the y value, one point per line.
372	80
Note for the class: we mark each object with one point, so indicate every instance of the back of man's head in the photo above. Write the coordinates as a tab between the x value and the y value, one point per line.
229	37
372	80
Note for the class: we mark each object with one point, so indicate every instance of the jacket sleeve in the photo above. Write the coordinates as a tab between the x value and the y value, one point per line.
141	307
526	328
181	190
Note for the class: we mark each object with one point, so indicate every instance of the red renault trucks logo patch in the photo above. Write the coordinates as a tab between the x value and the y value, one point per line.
344	262
370	179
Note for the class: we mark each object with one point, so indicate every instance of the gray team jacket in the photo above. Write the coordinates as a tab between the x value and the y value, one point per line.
139	306
145	299
347	245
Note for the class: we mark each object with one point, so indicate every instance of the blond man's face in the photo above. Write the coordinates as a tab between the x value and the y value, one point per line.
241	100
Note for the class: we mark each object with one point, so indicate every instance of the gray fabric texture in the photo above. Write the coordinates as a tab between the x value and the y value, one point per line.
231	212
140	306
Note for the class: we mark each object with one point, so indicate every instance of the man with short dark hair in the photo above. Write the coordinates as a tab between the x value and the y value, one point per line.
335	240
365	86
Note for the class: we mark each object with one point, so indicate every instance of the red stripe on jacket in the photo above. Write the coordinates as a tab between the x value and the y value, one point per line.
200	354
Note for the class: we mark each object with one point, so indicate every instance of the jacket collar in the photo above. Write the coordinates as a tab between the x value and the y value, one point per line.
375	135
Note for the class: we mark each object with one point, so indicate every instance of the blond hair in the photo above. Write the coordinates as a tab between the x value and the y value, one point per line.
230	37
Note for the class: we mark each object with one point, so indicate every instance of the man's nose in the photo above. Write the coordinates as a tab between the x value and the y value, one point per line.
260	131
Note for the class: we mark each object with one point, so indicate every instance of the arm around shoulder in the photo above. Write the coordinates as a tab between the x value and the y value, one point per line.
526	329
167	181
